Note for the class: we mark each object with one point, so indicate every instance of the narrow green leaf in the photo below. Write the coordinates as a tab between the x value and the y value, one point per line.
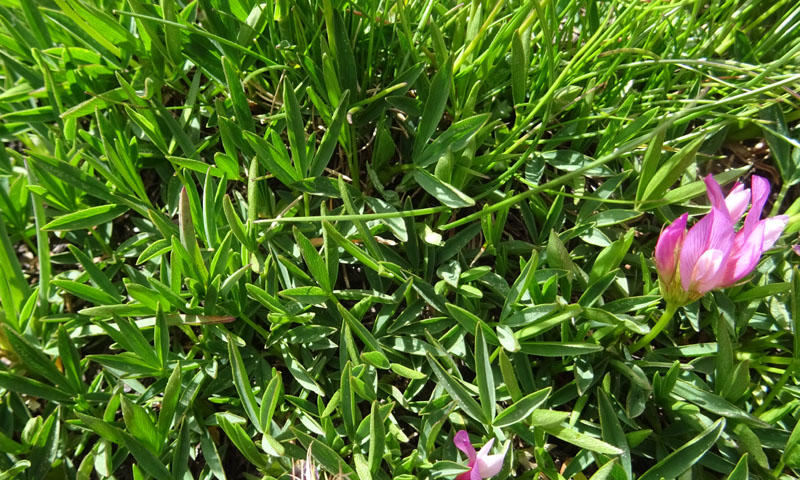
242	382
314	261
86	218
169	402
70	360
740	471
238	97
444	192
35	360
329	459
235	224
522	408
612	430
457	391
347	403
242	441
377	440
689	454
434	107
296	130
141	426
34	388
329	140
582	440
269	401
484	375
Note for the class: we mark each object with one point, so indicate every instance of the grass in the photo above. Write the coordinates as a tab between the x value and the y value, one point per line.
240	235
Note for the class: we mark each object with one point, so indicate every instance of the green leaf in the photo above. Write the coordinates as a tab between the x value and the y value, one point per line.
671	170
329	459
70	360
444	192
238	97
242	441
347	403
169	402
612	431
235	224
689	454
741	471
434	107
242	382
329	140
558	349
406	372
87	218
33	388
582	440
778	137
269	401
457	391
377	440
365	335
141	426
314	261
36	361
296	130
713	403
484	375
522	408
86	292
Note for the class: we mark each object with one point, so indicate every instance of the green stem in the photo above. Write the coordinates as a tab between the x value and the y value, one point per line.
777	205
662	323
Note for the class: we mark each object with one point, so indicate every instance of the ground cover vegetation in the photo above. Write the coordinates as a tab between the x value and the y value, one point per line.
245	239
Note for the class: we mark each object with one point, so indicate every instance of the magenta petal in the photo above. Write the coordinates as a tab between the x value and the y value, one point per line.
737	201
474	474
693	246
670	240
759	188
773	227
705	275
461	440
714	192
715	230
746	258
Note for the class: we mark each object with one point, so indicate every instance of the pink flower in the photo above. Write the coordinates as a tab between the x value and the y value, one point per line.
713	254
481	464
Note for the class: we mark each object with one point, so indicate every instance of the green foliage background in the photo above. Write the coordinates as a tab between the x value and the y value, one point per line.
235	233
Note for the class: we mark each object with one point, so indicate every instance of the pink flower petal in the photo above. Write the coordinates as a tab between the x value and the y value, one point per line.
461	440
668	243
475	474
759	187
714	192
737	201
488	465
773	227
714	231
745	258
704	277
486	448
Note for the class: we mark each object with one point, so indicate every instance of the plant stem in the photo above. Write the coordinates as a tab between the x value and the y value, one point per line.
777	205
662	323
